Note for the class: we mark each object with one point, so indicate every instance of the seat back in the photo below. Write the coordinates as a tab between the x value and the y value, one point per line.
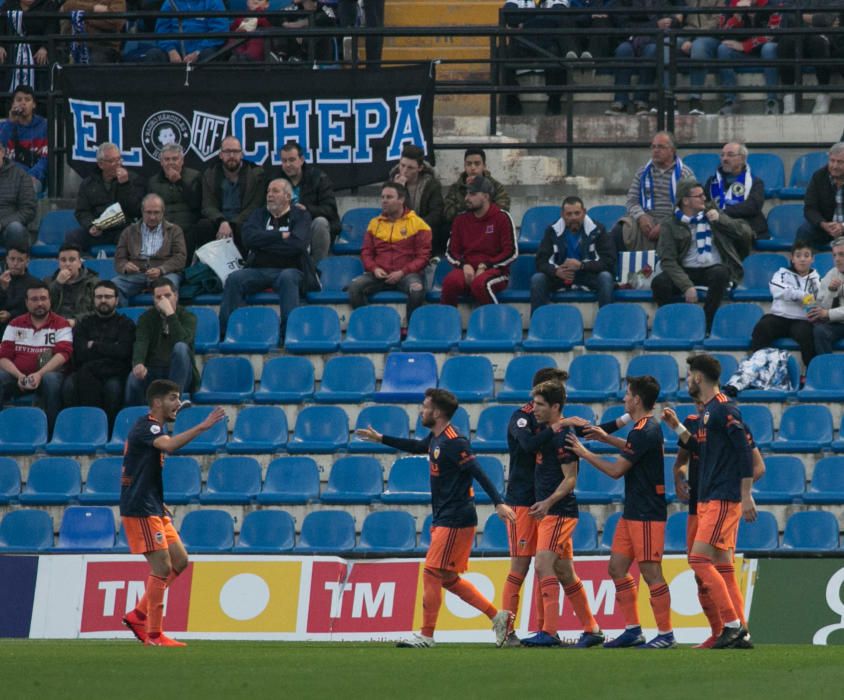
609	530
594	372
607	214
26	529
352	229
585	536
828	475
558	322
104	478
492	424
207	329
495	322
679	322
293	377
814	530
328	531
460	421
208	442
182	480
518	377
761	534
227	374
52	480
348	375
239	476
760	421
663	368
207	530
703	165
805	166
758	271
807	422
433	324
23	430
469	378
770	168
256	328
493	468
621	322
328	424
407	375
10	479
534	222
52	230
87	527
825	372
355	479
494	536
312	325
736	321
267	530
260	424
291	479
783	482
409	475
783	222
375	324
123	424
83	426
388	530
336	271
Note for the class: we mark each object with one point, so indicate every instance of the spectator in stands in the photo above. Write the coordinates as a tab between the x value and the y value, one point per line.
651	196
163	346
395	252
827	314
474	163
732	51
231	190
589	14
277	238
35	348
698	247
700	48
481	248
736	191
148	250
17	203
576	252
24	135
27	61
424	192
180	189
188	50
312	190
102	355
823	203
13	283
297	49
373	12
72	286
253	49
645	15
794	289
111	184
98	50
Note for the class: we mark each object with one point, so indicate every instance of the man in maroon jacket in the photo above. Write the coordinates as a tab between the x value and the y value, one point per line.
481	248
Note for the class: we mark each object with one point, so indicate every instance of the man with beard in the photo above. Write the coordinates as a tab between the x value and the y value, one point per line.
35	348
102	353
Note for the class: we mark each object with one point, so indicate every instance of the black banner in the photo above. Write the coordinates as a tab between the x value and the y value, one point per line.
351	123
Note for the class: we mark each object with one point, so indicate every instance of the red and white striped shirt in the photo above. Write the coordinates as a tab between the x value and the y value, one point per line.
23	343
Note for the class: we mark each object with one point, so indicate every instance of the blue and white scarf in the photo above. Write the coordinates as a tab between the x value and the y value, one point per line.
699	226
736	193
24	71
79	49
646	184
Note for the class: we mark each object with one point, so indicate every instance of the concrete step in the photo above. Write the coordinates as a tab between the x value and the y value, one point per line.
441	13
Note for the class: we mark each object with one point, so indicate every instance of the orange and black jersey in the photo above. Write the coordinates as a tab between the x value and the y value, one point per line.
644	482
549	473
725	457
141	480
524	437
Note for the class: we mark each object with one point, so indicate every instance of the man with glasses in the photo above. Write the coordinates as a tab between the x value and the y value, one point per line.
102	352
737	191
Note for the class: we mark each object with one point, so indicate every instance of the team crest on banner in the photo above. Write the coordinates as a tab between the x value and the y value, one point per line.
207	134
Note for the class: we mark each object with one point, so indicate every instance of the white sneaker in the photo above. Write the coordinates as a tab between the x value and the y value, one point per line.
571	56
788	105
417	641
822	103
502	625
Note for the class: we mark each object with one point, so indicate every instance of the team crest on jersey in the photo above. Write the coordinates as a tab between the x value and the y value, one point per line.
155	429
705	417
490	229
522	422
159	537
437	452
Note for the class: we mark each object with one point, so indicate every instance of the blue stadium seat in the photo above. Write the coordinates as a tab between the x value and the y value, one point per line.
80	430
618	327
123	423
102	267
758	271
460	421
759	420
320	429
585	536
103	483
702	164
554	328
677	327
286	380
729	364
769	167
491	433
494	537
409	481
372	329
23	430
232	480
469	378
346	379
312	329
51	232
518	288
823	263
682	410
327	531
207	330
207	531
675	532
258	429
784	480
133	313
518	377
609	530
425	535
42	268
662	367
594	486
26	531
182	480
783	222
226	380
732	327
209	442
534	222
335	274
607	214
761	535
10	480
811	531
87	528
290	480
804	428
387	420
353	227
580	410
827	485
433	328
593	378
493	328
824	380
266	532
251	329
493	468
442	269
354	479
52	481
388	531
801	172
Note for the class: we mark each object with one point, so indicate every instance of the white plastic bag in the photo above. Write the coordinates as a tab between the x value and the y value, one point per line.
222	256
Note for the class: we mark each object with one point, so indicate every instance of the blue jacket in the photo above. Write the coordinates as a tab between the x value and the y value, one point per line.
170	25
26	145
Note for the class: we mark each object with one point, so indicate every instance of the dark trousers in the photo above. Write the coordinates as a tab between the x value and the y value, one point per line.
771	327
814	236
716	278
86	241
814	46
373	12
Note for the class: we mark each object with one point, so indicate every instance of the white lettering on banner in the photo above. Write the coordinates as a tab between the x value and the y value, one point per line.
256	113
109	600
383	598
116	111
295	129
604	598
338	590
373	117
207	132
332	131
833	600
134	592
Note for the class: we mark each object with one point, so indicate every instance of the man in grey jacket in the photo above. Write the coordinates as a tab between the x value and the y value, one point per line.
828	313
17	203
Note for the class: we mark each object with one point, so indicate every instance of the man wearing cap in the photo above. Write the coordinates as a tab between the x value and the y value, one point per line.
699	246
481	248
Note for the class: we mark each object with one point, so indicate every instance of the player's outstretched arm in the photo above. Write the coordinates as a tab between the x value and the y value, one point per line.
171	443
405	444
615	469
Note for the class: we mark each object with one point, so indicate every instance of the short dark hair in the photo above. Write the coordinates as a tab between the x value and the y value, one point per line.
443	400
573	199
401	190
164	282
414	153
25	89
71	246
553	392
108	284
35	285
475	151
549	374
292	146
646	388
707	365
800	244
159	388
21	248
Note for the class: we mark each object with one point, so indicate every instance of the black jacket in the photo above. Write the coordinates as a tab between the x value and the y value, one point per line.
750	209
316	192
596	247
13	299
110	354
819	202
253	191
95	196
182	199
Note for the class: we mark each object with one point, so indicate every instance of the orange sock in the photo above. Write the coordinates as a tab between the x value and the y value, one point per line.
715	586
142	605
432	598
155	603
661	606
626	591
728	573
538	603
471	595
709	609
549	588
510	594
576	595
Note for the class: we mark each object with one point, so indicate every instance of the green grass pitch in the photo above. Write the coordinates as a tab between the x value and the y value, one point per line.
125	670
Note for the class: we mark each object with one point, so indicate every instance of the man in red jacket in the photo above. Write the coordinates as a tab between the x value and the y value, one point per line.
481	248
